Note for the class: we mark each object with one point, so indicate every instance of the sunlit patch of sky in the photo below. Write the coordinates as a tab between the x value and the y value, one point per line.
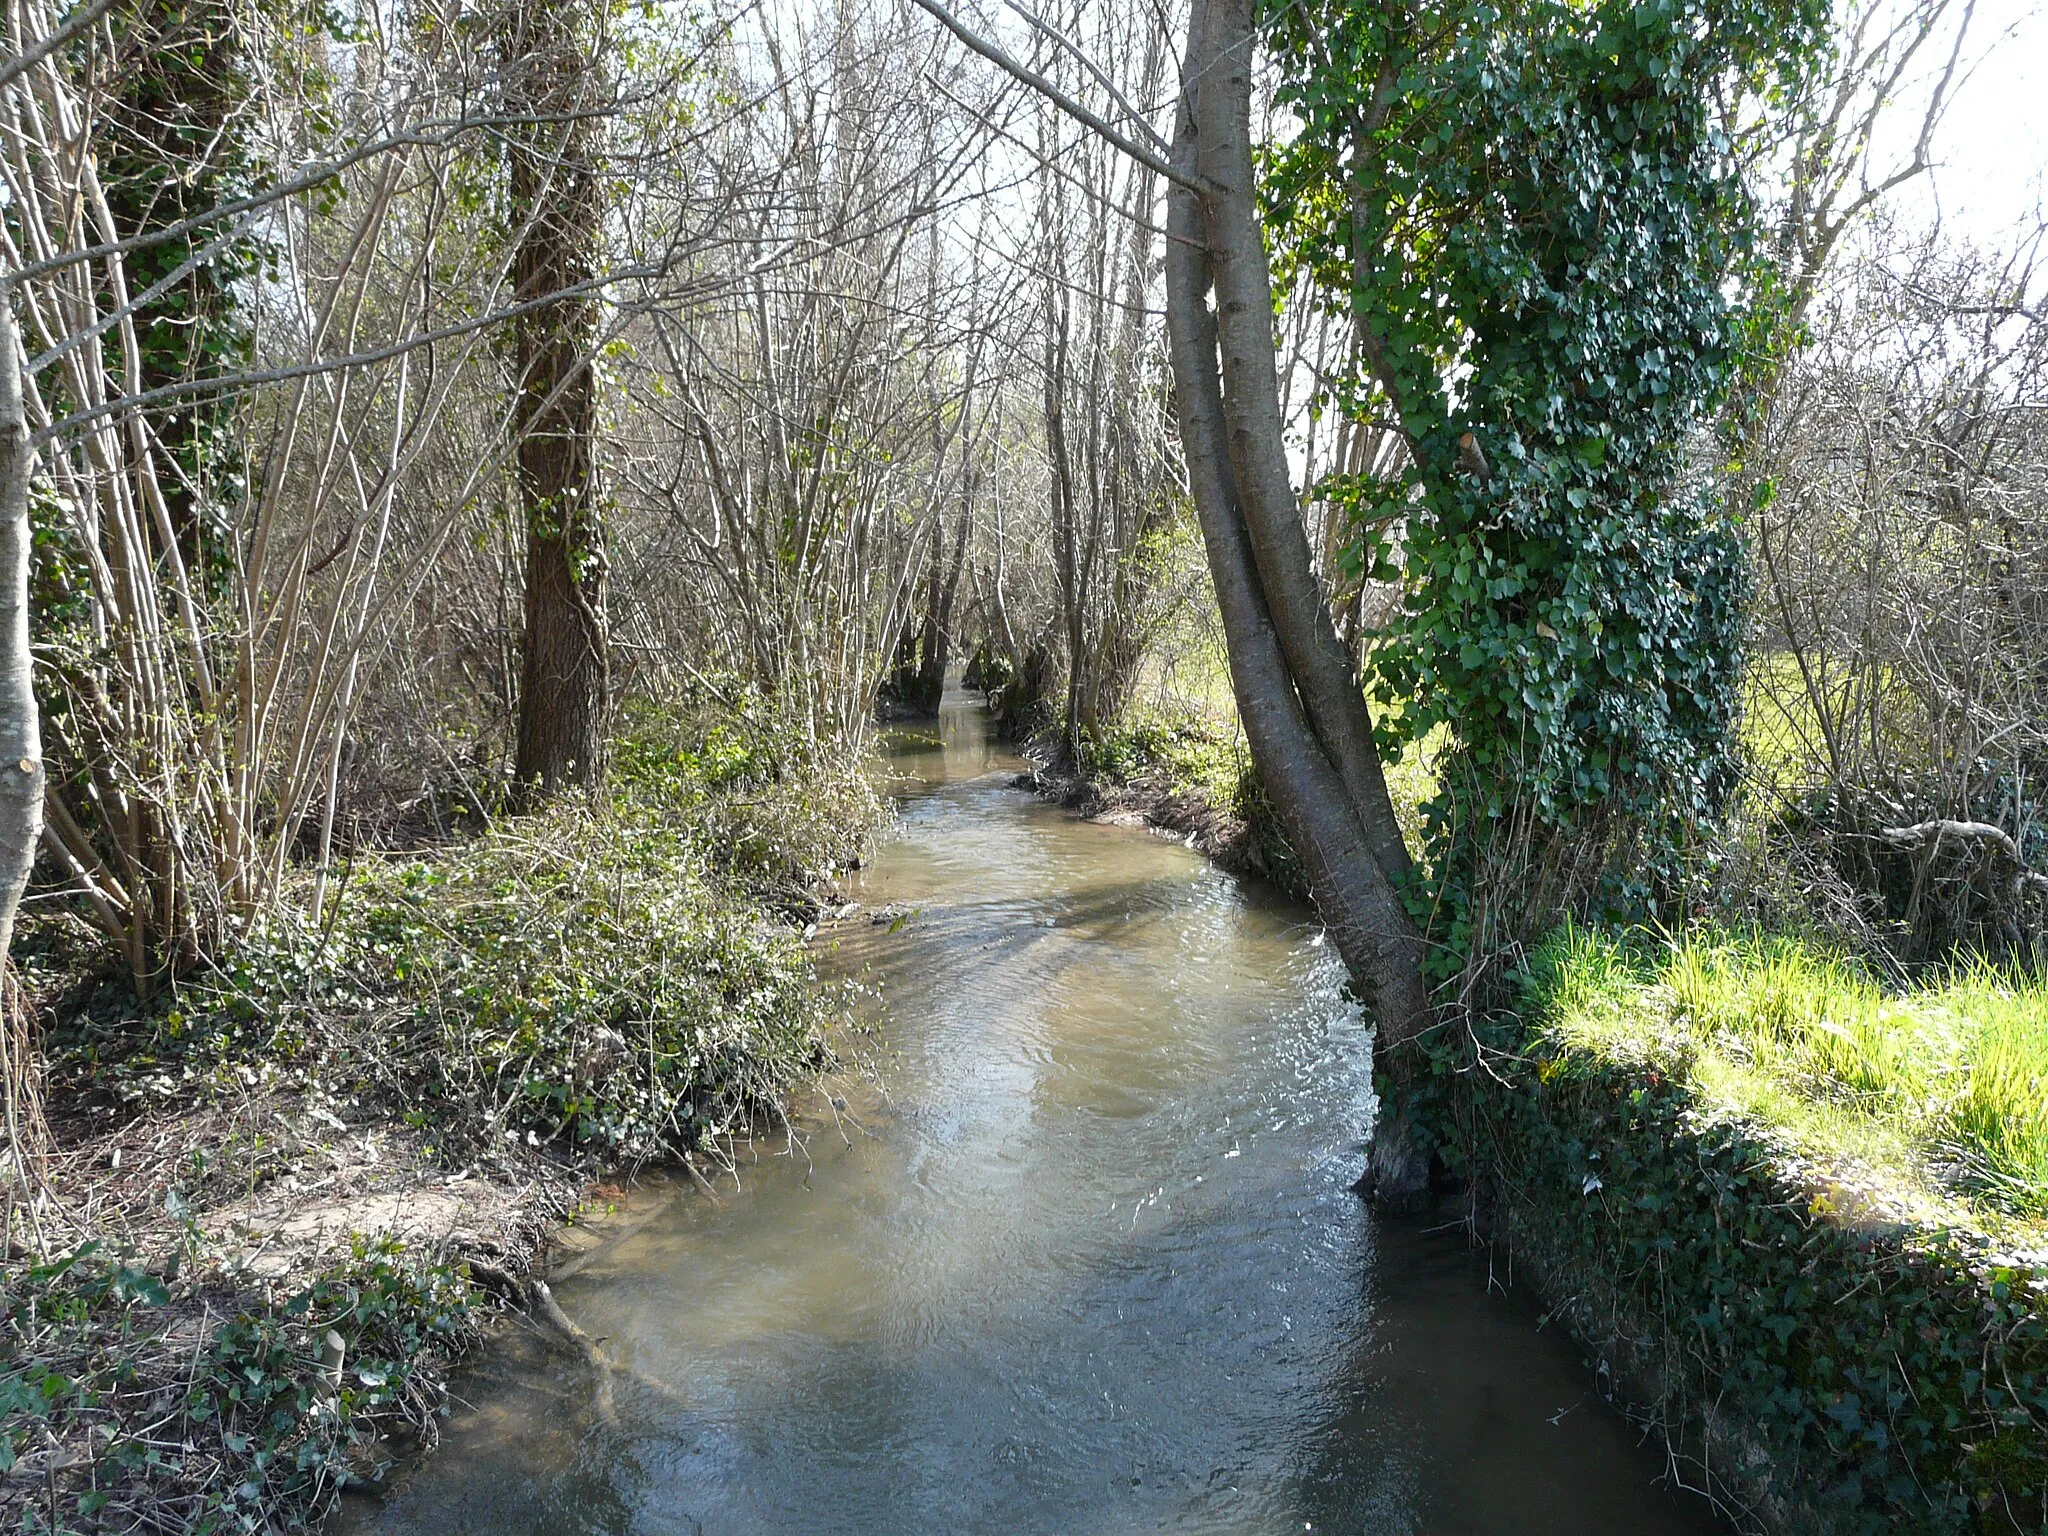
1991	177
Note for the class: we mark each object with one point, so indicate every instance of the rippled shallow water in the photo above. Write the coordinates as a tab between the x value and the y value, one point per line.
1082	1258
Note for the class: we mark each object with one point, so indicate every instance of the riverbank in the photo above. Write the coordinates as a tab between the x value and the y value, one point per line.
1796	1221
280	1201
1836	1327
1186	772
1186	777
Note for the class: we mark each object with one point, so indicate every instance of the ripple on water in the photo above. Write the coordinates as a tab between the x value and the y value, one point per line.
1091	1265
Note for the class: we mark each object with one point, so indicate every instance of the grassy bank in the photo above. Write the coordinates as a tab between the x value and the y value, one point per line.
288	1191
1796	1215
1943	1086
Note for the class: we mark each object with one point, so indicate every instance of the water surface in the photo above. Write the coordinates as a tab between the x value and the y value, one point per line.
1079	1258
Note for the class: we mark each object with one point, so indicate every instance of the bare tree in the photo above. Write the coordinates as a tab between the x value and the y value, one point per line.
1109	446
1899	689
200	710
21	786
792	446
1898	65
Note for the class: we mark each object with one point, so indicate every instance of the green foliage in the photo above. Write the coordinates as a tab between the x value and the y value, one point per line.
1951	1074
1535	220
1189	752
2002	1111
771	807
159	1416
580	975
1862	1362
621	980
624	978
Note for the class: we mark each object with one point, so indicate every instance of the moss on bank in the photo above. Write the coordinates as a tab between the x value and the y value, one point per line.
455	1046
1845	1336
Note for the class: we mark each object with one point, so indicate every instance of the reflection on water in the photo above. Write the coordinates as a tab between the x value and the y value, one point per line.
1083	1260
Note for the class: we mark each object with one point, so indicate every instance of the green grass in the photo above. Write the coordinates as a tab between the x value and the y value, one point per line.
1412	782
1781	731
1944	1084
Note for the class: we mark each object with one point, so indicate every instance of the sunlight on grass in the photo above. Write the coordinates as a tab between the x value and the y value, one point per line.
1781	729
1950	1076
1413	781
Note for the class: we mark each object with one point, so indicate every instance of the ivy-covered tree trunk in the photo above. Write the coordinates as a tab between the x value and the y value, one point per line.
1303	712
554	88
175	145
1579	239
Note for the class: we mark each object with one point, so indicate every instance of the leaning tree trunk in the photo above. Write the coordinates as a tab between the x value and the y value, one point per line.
553	91
1304	713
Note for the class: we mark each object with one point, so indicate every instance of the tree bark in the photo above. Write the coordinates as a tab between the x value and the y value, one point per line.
1320	665
935	646
552	83
1303	712
21	741
21	776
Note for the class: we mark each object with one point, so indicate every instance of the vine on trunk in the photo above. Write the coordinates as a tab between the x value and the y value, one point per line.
1535	217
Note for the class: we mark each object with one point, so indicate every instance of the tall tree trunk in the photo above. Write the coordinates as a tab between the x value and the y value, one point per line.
1304	714
1066	536
553	85
21	773
935	649
162	158
21	741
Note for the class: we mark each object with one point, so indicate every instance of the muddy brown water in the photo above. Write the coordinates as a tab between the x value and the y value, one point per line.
1080	1258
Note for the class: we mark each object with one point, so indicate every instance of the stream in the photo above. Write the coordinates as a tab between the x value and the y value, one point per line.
1078	1257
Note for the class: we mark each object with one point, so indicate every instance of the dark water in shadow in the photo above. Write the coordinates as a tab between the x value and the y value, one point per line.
1082	1260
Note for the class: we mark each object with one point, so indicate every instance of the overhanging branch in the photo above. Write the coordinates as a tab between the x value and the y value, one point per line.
1059	98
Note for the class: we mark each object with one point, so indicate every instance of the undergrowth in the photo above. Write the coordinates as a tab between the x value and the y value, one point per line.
132	1399
1795	1212
1188	752
602	981
625	976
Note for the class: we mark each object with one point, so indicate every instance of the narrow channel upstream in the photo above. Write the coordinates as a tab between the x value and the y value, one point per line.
1082	1259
